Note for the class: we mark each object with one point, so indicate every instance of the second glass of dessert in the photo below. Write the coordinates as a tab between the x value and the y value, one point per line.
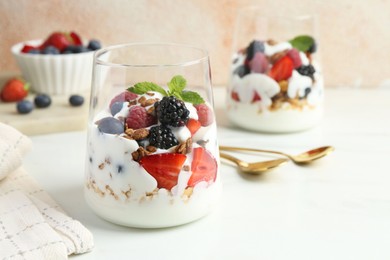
275	80
152	151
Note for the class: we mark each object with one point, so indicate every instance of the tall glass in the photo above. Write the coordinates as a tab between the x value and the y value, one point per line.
152	155
275	81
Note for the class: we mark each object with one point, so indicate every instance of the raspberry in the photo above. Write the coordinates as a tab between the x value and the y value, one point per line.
294	55
162	137
139	118
205	115
171	111
123	97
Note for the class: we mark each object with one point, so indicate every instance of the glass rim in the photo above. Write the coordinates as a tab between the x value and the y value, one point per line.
203	57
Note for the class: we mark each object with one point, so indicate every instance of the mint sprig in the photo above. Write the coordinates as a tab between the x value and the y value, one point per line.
175	88
302	42
143	87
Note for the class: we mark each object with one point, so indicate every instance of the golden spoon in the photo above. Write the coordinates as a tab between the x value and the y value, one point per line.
302	158
256	167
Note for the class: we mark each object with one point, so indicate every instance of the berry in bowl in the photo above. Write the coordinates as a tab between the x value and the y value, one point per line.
61	64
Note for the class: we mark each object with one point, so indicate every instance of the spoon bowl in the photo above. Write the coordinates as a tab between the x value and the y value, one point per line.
256	167
302	158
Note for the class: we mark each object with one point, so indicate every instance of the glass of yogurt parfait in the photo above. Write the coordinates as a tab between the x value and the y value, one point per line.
152	151
275	80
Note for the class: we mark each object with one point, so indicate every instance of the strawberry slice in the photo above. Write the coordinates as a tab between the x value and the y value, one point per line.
235	96
193	125
164	167
282	69
256	97
204	167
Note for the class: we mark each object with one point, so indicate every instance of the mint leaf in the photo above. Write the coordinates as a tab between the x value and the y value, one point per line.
302	42
177	84
192	97
143	87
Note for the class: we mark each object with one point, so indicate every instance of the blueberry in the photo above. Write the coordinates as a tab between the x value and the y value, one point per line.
69	49
34	51
42	100
94	45
110	125
116	107
76	100
241	71
50	50
24	106
74	49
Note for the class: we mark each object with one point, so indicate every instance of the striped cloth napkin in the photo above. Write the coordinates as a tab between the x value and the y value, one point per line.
32	224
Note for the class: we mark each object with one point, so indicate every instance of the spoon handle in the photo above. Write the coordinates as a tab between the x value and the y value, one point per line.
230	158
230	148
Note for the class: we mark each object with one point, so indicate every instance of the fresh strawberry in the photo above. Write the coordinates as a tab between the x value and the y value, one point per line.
282	69
193	125
235	96
205	114
294	55
256	97
75	38
164	167
57	39
26	48
14	90
204	167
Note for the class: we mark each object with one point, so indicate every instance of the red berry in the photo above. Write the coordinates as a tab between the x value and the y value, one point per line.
193	125
259	63
205	114
26	48
75	38
235	96
282	69
139	118
57	39
256	97
164	167
204	167
294	55
123	97
14	90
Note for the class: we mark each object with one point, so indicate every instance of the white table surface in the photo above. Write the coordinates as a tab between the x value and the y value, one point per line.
336	208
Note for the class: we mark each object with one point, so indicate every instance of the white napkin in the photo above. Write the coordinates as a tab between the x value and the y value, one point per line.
32	224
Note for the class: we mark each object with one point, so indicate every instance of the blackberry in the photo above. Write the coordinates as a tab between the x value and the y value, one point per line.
308	70
162	137
254	46
171	111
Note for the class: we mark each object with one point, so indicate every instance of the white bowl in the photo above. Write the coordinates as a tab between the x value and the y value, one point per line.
55	74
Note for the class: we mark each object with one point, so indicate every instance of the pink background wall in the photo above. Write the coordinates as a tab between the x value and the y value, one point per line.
354	34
